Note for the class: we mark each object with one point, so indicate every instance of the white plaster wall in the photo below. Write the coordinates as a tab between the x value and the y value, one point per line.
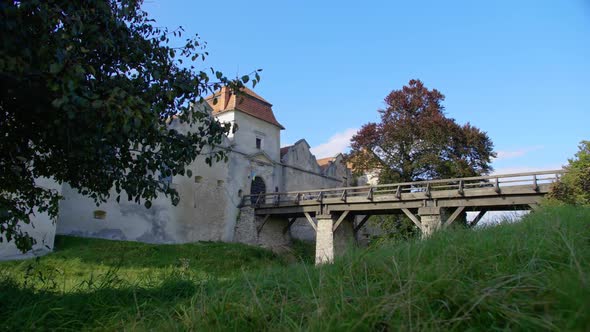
227	117
370	178
248	129
42	228
200	215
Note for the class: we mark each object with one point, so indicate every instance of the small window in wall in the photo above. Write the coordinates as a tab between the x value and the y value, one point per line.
99	214
258	143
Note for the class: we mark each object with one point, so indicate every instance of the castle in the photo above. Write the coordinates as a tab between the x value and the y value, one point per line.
210	199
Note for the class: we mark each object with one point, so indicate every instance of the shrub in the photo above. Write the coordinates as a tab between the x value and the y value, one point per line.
574	186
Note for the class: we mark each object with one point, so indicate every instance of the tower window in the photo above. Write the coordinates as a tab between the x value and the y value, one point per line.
258	143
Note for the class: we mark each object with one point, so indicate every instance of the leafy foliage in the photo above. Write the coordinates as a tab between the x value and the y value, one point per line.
88	89
416	141
574	186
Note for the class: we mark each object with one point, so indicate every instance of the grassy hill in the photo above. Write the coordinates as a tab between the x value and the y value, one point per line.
532	275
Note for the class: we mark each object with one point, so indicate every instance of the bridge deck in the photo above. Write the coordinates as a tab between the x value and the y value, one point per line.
496	192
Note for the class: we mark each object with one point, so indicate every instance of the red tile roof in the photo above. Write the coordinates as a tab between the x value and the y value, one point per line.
247	101
284	150
325	162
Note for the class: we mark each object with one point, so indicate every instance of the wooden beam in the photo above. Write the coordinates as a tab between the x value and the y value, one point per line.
340	219
398	192
310	221
477	218
262	224
454	216
412	217
291	222
534	207
362	223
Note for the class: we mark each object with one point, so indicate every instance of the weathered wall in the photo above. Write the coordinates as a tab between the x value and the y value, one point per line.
201	214
209	200
255	230
42	229
198	216
344	237
249	128
300	172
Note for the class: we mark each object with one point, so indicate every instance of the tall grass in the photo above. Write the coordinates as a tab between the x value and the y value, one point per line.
531	275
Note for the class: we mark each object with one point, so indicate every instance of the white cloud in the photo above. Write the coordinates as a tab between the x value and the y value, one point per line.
338	143
508	154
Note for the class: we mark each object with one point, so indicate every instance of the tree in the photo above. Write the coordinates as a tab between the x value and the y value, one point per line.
416	141
574	186
88	88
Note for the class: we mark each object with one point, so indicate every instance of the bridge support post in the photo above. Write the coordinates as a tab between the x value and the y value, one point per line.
431	220
324	244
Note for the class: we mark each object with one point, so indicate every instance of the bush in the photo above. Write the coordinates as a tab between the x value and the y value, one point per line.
574	186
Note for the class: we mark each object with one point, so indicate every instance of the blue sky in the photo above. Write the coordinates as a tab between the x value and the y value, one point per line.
519	70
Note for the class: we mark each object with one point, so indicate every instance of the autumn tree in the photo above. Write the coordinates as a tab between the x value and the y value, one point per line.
87	90
416	141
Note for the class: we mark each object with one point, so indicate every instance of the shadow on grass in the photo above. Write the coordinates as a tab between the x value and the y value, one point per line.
100	305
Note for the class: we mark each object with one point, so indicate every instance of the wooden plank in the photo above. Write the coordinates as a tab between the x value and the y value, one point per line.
311	222
534	207
340	219
412	217
262	224
454	216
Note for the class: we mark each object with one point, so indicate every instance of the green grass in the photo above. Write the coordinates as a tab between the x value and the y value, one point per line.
532	275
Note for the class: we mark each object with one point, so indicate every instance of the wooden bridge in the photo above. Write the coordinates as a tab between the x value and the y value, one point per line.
429	204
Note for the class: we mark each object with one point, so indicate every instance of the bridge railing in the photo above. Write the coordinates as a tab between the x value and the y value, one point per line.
405	190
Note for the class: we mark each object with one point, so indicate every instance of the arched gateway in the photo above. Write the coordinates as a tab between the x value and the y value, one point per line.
258	187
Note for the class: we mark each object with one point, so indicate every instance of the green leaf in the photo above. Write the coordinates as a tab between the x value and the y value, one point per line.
245	78
148	204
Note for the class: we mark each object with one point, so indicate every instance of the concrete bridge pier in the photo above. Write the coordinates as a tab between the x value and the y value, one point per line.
334	234
430	219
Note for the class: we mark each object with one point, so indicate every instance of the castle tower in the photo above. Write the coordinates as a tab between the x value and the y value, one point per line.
258	129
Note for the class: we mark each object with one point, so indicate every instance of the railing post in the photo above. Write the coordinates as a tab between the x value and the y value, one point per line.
343	197
398	192
298	198
321	197
497	186
461	190
370	194
535	184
